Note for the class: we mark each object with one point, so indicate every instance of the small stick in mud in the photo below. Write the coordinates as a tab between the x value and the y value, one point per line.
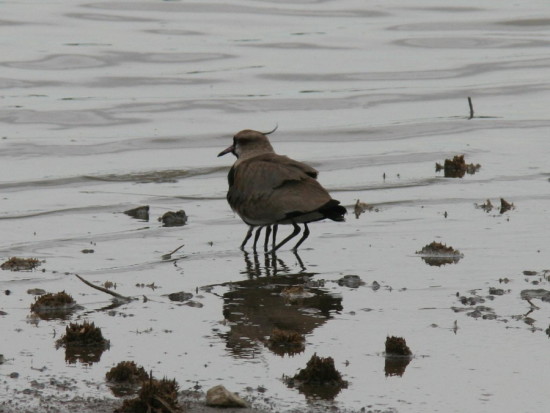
119	297
471	107
169	255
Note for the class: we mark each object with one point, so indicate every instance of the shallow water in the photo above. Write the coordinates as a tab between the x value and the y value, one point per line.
111	105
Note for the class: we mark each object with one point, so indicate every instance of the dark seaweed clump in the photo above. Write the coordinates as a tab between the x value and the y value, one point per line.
50	301
158	396
127	372
82	335
284	342
20	264
397	346
457	167
319	379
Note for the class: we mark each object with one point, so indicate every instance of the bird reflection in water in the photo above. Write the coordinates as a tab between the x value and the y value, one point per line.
253	308
269	264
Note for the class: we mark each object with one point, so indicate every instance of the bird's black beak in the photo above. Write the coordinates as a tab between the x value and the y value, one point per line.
227	150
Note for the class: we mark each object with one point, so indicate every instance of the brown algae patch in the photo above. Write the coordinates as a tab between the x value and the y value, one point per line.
437	254
58	304
20	264
318	379
124	378
283	342
173	219
159	396
398	356
457	167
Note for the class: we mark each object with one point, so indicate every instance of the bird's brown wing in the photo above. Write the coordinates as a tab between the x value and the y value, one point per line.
267	188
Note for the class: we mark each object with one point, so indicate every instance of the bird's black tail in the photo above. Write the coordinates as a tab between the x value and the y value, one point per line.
333	210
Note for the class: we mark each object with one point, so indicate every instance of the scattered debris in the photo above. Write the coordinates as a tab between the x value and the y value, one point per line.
219	396
141	212
283	342
169	255
457	167
21	264
487	206
119	299
158	396
173	219
505	206
361	207
438	254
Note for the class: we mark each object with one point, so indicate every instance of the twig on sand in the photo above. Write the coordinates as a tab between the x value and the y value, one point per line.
105	290
471	107
169	255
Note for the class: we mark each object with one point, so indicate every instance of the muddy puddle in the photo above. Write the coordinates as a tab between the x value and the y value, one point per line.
110	106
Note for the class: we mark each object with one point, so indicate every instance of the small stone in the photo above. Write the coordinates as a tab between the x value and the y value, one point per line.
219	396
180	296
14	375
141	212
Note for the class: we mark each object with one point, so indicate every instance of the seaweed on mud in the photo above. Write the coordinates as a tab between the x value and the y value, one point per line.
397	356
283	342
457	167
437	254
505	206
59	303
82	335
318	379
20	264
173	219
397	346
126	372
159	396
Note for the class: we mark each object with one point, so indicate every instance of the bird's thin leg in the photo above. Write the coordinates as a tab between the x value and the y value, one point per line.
267	234
275	227
256	236
306	234
283	242
247	237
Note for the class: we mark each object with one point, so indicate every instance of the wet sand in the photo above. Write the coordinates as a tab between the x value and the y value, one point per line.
107	106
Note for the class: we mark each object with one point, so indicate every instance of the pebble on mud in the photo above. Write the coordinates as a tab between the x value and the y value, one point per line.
141	212
180	296
457	167
219	396
82	335
173	219
283	342
351	281
20	264
57	302
159	396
